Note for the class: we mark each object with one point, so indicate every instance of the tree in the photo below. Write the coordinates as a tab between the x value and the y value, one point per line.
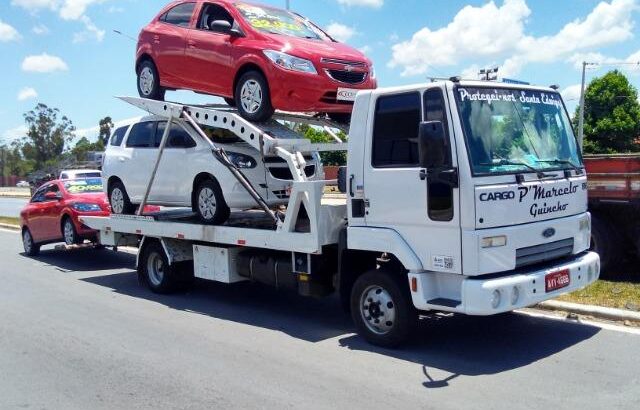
46	135
319	136
611	115
106	125
83	146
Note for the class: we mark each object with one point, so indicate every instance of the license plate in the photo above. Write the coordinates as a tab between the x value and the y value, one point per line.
347	94
557	280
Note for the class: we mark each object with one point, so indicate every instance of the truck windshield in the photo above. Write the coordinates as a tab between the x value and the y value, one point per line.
510	130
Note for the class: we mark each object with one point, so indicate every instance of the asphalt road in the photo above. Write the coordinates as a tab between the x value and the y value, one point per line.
78	332
12	206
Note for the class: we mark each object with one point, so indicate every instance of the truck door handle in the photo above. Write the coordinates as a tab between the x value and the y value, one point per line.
351	177
423	174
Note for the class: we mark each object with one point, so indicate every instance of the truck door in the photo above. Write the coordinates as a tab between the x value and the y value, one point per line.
421	205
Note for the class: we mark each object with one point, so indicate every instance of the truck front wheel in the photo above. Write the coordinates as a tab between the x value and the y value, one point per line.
381	308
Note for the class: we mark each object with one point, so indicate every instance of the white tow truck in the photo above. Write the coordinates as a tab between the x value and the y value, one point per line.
460	196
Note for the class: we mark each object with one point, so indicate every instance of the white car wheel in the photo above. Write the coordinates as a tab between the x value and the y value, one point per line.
207	203
117	201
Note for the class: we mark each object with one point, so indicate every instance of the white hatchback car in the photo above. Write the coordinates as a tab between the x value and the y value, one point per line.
188	174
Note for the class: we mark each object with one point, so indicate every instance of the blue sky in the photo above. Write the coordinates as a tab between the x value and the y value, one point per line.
64	52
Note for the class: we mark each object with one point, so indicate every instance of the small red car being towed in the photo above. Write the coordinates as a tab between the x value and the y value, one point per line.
258	58
52	213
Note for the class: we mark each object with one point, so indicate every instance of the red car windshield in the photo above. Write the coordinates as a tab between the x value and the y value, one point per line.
278	21
83	186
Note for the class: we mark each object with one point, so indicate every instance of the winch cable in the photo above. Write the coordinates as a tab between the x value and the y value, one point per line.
220	155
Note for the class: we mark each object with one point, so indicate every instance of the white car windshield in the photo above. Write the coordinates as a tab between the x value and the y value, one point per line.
511	130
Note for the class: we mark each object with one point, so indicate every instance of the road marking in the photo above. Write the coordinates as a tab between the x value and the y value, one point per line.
602	325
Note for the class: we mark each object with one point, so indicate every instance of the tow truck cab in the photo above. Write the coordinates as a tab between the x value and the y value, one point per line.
477	189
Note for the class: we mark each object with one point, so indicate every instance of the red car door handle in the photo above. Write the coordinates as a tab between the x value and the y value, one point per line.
191	43
156	39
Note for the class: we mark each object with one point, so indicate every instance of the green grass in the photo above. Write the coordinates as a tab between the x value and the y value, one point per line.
9	220
608	293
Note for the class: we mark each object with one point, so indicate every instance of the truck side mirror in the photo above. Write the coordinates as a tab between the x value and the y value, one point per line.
433	145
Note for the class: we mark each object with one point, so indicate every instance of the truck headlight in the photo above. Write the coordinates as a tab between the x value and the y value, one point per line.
242	160
82	207
494	241
289	62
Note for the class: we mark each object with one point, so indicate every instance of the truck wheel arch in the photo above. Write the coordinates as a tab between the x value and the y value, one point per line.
354	262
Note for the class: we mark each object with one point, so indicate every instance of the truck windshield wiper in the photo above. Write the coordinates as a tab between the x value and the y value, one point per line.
562	161
503	161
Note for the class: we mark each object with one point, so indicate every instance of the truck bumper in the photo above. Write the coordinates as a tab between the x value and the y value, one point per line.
492	294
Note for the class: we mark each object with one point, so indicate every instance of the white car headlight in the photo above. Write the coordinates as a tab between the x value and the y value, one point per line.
289	62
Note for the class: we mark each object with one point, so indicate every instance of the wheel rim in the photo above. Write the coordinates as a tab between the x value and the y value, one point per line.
207	203
69	235
155	269
117	201
251	96
26	241
378	310
147	81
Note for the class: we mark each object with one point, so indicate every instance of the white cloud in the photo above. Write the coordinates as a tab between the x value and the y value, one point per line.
40	29
43	63
94	131
27	93
366	49
495	32
8	33
571	93
340	32
71	10
376	4
12	134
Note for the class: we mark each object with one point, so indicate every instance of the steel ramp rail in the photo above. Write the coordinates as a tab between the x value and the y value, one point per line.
265	137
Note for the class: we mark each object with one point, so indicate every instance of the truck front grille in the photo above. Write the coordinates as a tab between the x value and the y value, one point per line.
542	253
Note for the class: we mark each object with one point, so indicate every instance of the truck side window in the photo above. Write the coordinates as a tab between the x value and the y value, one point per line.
141	135
395	131
439	194
118	136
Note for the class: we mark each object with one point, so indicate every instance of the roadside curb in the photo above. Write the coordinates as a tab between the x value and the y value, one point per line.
10	226
15	196
590	310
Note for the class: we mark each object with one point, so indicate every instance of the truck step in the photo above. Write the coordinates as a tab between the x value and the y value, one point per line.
450	303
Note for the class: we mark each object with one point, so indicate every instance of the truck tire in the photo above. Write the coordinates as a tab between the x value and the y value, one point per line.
602	242
253	98
209	203
381	308
159	275
149	81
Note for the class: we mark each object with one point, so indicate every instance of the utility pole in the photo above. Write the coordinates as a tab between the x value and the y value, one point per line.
581	115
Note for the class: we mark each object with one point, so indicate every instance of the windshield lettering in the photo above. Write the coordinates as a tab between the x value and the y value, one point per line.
512	131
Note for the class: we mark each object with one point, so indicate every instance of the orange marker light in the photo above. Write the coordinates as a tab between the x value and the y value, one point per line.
414	284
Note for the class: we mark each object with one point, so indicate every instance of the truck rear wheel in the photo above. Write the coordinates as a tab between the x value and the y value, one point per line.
381	308
158	273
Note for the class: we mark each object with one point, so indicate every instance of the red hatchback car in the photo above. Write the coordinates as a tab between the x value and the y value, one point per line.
258	58
52	213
